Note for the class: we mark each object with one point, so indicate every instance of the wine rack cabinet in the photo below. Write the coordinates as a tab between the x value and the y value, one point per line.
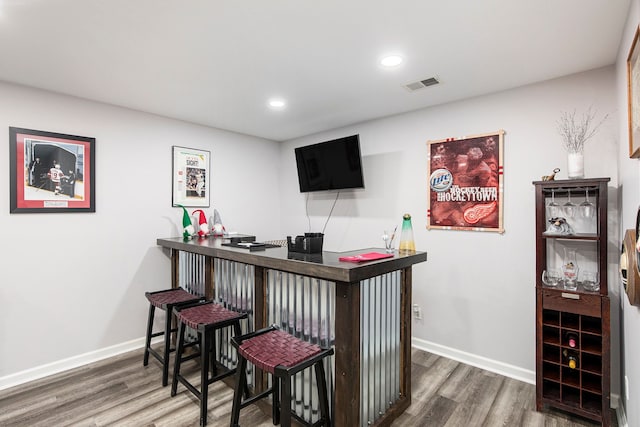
573	325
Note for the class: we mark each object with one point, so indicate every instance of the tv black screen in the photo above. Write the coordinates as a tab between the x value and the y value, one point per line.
330	165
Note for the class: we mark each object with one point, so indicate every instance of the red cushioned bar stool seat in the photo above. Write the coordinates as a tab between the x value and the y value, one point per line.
205	318
282	355
165	300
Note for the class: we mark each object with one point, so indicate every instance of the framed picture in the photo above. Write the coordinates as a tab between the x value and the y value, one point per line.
191	177
51	172
466	183
633	88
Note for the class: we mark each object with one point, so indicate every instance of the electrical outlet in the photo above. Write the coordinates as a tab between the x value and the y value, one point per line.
417	311
626	387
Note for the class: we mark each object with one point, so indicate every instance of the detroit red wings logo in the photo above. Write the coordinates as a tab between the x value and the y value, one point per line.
479	212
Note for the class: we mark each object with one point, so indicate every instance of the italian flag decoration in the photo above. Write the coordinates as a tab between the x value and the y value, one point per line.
187	227
203	227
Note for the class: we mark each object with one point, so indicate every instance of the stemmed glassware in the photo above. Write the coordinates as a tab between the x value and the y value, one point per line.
587	209
553	206
569	207
570	269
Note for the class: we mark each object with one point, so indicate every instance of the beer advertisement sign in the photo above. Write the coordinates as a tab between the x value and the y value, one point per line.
466	183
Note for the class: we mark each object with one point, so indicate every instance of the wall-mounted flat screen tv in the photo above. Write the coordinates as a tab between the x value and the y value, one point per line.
330	165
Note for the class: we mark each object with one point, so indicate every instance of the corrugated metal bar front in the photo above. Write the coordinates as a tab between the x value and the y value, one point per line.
191	276
380	345
304	307
234	288
191	272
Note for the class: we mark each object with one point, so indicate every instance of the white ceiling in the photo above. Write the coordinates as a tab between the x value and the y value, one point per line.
217	62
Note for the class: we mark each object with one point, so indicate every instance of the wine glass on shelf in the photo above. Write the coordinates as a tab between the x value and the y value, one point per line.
553	206
587	208
569	207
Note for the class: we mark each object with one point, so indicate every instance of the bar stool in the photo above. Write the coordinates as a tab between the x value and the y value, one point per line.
164	300
282	355
205	318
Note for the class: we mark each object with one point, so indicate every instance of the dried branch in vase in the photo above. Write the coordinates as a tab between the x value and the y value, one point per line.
576	131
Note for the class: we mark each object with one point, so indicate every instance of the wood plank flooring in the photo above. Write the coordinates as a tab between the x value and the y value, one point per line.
121	392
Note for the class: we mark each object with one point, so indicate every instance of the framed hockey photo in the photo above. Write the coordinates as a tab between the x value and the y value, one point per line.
466	183
51	172
191	177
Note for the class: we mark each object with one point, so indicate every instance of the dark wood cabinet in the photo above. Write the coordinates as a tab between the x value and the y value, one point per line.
572	325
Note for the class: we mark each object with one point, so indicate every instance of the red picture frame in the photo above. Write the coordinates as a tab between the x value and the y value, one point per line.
51	172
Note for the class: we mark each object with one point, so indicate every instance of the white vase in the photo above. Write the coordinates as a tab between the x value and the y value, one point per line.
575	165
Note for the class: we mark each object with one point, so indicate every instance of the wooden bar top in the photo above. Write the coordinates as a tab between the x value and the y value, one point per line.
323	266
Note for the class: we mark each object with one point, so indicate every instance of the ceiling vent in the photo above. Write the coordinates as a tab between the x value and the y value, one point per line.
411	87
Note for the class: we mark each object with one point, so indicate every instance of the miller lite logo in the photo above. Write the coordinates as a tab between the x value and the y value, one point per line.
441	180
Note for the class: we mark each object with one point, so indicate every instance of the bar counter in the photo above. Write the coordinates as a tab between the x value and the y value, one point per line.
362	309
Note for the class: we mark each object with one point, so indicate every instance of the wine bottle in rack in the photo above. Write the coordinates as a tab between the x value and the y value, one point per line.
570	358
571	339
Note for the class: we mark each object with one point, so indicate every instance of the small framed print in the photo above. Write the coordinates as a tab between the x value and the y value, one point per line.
51	172
191	177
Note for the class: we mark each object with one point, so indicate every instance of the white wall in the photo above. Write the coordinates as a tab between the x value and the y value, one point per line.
74	284
477	290
629	176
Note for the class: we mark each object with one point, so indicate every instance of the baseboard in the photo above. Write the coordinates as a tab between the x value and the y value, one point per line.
70	363
487	364
621	414
615	400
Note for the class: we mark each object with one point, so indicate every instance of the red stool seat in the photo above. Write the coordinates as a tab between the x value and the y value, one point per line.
277	348
282	355
164	300
201	316
205	318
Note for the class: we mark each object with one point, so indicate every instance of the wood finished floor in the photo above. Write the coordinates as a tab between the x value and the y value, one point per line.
121	392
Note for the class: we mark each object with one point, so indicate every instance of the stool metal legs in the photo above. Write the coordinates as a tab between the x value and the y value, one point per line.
321	381
241	383
166	300
152	310
167	348
205	352
281	399
207	340
167	344
281	391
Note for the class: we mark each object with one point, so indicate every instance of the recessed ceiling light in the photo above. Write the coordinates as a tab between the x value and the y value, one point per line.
277	103
391	61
